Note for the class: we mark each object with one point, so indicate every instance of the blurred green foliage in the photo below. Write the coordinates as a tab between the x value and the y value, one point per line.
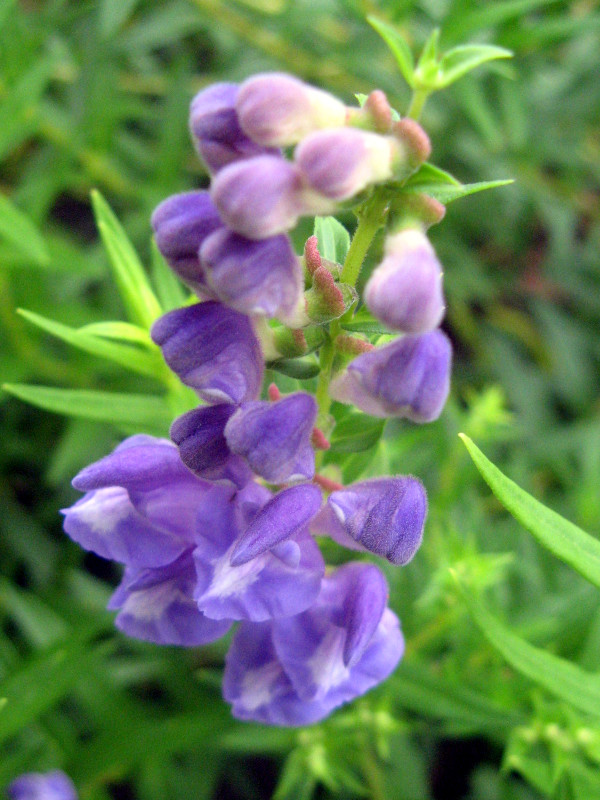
94	95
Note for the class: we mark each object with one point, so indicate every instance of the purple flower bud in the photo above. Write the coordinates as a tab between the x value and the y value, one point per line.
200	436
296	671
158	605
276	109
253	277
384	516
53	785
141	504
405	290
340	163
259	197
275	437
213	349
409	377
216	130
181	223
284	516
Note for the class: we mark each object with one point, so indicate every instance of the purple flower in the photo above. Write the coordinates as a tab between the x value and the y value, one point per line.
253	277
296	671
408	378
275	437
405	290
340	163
53	785
260	561
384	516
181	223
216	130
200	436
278	109
213	349
259	197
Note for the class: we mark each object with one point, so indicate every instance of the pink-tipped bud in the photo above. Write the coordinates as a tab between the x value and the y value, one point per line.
405	290
414	141
276	109
312	257
328	300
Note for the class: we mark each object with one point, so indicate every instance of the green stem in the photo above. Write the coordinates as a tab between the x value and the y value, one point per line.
370	218
417	101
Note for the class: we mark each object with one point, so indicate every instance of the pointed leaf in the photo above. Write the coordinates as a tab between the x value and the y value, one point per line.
333	239
300	368
147	362
399	47
123	331
568	542
460	60
446	193
134	286
427	70
147	413
168	288
429	173
22	234
561	678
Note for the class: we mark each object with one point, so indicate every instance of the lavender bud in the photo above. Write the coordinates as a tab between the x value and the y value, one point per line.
259	197
53	785
216	130
276	109
254	277
340	163
213	349
409	377
275	437
405	290
181	223
384	516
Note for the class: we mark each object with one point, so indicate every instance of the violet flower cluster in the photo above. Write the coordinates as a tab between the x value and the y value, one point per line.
217	526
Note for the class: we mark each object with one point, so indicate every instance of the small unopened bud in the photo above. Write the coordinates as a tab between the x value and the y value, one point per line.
405	290
312	257
276	109
352	345
414	141
328	300
379	110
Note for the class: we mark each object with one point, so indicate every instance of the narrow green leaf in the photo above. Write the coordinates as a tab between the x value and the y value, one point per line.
399	47
355	433
428	66
146	361
558	676
460	60
445	193
333	239
148	413
568	542
300	368
168	288
22	234
134	286
123	331
429	173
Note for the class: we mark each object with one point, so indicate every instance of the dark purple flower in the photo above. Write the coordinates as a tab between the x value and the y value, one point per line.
213	349
158	605
405	290
275	437
53	785
254	277
200	436
260	562
259	197
216	130
341	162
296	671
408	378
278	109
384	516
181	223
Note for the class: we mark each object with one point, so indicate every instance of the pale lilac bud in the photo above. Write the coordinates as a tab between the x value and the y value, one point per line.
213	349
405	290
181	223
275	437
216	130
254	277
340	163
53	785
259	197
276	109
384	516
409	377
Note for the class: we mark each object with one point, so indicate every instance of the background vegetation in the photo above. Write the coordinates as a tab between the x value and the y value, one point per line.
94	95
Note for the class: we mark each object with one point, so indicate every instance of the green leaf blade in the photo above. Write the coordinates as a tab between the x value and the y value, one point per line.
460	60
17	228
564	539
446	193
399	48
333	239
